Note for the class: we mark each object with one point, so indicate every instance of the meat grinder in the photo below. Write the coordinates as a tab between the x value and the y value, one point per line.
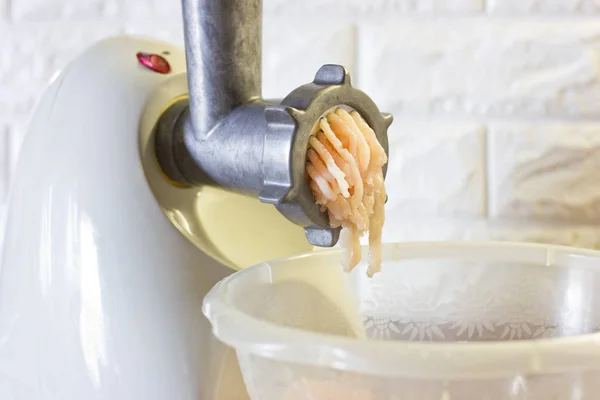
147	175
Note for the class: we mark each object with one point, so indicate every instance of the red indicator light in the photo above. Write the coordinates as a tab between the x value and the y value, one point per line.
154	62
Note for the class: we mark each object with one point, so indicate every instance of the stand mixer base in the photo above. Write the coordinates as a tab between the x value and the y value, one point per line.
100	293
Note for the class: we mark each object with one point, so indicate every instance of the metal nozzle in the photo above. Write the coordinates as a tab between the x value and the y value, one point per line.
244	143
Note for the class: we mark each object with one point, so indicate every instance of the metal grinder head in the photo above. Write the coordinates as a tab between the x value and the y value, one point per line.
259	148
290	125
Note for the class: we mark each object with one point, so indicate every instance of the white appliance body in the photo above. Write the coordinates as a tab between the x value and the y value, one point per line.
105	262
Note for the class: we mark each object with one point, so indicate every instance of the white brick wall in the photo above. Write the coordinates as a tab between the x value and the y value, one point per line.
497	102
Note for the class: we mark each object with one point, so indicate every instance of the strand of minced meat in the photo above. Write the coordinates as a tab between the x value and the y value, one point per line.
345	170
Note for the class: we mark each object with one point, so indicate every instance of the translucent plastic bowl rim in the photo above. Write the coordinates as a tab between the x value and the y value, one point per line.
421	360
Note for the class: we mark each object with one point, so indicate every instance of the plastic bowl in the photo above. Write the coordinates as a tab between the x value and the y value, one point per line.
443	321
